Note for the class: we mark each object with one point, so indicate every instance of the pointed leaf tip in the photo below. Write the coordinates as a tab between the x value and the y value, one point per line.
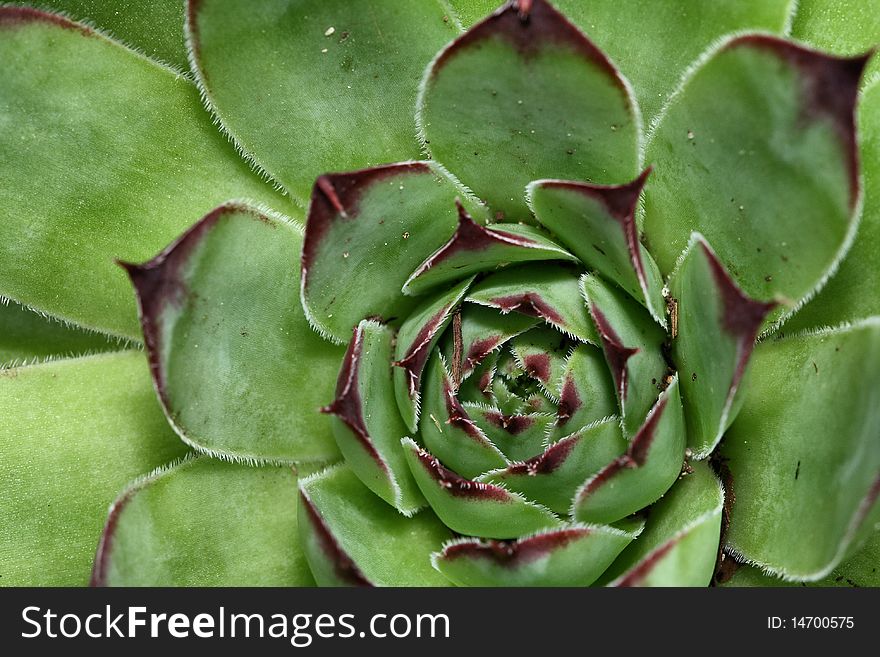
345	569
615	352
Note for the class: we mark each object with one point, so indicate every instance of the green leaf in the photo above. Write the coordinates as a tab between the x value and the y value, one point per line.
469	12
74	433
680	542
606	214
236	365
367	423
854	291
375	225
106	155
639	477
27	337
844	27
472	507
351	537
203	522
316	85
448	431
654	43
717	325
415	341
526	88
633	345
758	153
542	353
806	438
554	476
518	436
547	291
572	556
154	28
586	394
475	248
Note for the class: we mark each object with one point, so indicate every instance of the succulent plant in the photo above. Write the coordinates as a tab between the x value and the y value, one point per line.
470	301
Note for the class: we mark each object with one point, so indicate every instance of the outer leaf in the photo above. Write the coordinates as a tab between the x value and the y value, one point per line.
155	28
351	537
573	556
447	429
762	140
203	522
632	343
587	392
475	248
416	340
526	88
854	291
806	439
644	473
472	507
375	225
25	336
74	433
844	27
229	347
717	325
680	542
343	79
553	477
106	155
368	426
605	215
546	291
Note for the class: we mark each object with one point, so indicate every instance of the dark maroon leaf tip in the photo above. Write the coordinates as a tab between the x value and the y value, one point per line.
348	405
345	568
549	461
531	26
413	361
569	402
335	196
105	545
515	553
638	574
458	416
830	87
18	16
457	485
530	304
616	354
479	350
512	424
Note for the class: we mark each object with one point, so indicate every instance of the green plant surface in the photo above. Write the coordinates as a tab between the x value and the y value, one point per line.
204	522
257	69
154	160
75	432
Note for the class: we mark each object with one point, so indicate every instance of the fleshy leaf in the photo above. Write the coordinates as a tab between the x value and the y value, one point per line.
554	476
644	473
518	436
586	394
549	292
316	85
716	325
374	225
367	424
106	155
204	522
542	353
474	248
854	291
74	433
598	224
472	507
572	556
680	542
527	88
416	340
229	346
26	337
353	538
803	488
448	431
633	346
155	28
758	153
